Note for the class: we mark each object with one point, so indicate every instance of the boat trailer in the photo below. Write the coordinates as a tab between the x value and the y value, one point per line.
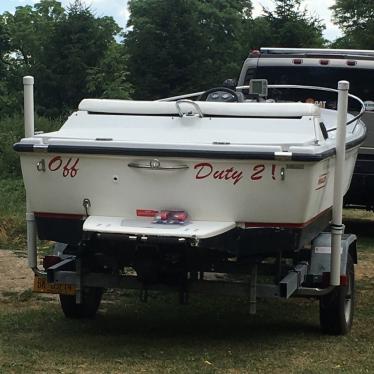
325	273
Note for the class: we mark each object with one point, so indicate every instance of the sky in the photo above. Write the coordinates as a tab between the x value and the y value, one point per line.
118	10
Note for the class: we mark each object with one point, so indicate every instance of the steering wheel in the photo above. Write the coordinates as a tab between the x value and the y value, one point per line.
204	95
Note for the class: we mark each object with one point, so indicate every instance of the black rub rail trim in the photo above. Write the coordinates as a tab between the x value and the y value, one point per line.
231	155
20	147
161	152
326	154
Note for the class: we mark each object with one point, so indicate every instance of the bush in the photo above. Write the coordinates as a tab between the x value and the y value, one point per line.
11	131
12	197
12	214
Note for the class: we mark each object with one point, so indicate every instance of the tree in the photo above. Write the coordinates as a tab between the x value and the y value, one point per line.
77	44
7	102
291	26
184	45
356	19
30	29
4	42
65	50
109	79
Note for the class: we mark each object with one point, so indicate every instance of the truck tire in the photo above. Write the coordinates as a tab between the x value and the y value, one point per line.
336	308
91	298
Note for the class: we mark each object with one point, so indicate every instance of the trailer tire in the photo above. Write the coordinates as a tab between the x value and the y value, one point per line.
91	298
336	309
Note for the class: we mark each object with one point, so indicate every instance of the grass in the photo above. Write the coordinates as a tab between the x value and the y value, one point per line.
210	336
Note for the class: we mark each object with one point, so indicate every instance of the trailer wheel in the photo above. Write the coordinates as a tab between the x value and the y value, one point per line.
91	298
336	309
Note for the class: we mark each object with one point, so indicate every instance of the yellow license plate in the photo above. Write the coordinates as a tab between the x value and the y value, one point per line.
41	285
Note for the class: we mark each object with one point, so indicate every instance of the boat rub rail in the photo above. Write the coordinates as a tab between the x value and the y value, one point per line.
232	155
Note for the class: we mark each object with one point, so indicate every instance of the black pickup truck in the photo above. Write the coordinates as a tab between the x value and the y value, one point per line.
325	67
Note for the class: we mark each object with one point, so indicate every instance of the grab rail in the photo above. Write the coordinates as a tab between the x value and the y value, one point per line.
193	103
317	88
156	165
182	98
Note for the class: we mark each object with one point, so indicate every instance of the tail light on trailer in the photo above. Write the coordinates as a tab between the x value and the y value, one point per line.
324	62
326	280
49	261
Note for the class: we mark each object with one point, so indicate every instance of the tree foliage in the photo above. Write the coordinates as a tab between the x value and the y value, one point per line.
77	43
64	49
178	46
5	100
183	45
291	26
169	48
356	19
109	79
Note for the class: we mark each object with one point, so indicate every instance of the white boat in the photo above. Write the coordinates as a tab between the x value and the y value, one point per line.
261	172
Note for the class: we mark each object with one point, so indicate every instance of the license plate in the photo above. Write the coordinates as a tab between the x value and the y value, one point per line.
41	285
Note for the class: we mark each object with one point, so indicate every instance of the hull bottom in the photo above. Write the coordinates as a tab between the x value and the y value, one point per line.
64	229
236	242
270	240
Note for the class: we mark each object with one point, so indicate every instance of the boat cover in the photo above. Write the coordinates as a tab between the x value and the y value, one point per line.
207	108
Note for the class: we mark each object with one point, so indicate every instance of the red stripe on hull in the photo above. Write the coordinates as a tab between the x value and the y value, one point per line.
286	225
58	215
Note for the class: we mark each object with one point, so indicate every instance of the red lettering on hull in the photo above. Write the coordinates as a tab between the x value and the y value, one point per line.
69	167
205	170
258	170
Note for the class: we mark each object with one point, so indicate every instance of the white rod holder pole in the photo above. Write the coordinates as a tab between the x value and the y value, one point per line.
28	99
28	89
337	227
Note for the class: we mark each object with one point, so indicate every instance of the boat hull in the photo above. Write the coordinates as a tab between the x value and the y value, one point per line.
265	194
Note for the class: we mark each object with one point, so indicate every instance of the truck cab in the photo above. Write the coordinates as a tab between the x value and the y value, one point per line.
324	67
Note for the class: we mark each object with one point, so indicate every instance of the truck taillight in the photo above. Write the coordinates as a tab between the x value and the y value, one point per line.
324	62
297	61
255	53
351	63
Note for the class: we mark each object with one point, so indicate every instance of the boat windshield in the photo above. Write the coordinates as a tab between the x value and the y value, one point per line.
315	76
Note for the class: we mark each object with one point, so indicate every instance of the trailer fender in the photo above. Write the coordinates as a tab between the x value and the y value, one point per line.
321	253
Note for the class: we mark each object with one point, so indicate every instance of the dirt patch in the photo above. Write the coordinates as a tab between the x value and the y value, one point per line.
15	276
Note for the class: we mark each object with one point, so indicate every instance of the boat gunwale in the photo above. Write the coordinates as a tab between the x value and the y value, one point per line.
232	155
